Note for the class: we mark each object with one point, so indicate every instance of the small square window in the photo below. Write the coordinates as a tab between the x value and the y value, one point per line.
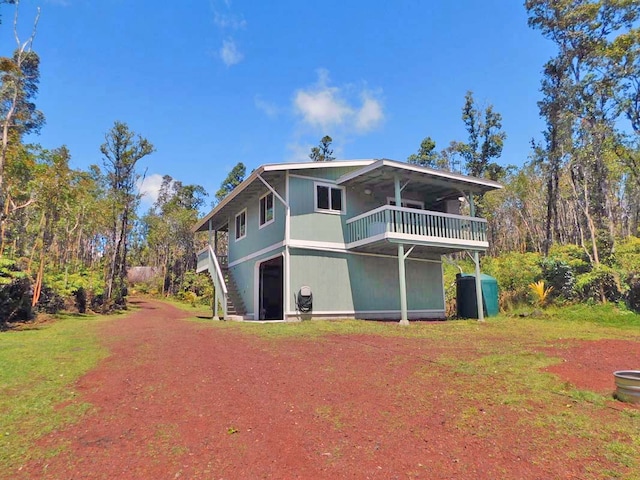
266	209
241	225
329	198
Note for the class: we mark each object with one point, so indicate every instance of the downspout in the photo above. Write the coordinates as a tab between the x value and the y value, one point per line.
476	261
402	279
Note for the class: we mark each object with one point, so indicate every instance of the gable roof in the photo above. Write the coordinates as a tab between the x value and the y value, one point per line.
365	171
251	184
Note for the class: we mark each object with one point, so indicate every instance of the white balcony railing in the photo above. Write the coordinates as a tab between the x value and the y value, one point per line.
425	225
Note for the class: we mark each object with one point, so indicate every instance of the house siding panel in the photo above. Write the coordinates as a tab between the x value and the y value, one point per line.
257	238
244	277
343	282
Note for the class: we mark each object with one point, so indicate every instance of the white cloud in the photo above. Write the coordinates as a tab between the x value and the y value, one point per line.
370	114
229	53
228	21
149	187
326	106
269	108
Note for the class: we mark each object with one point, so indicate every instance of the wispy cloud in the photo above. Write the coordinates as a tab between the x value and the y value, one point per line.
228	23
229	53
326	106
269	108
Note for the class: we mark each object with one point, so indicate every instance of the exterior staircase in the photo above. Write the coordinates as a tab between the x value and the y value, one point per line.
235	305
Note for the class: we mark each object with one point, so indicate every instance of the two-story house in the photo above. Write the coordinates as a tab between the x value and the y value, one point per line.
359	239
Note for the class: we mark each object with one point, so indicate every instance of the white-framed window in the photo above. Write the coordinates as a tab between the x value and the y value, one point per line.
267	210
329	198
241	225
407	203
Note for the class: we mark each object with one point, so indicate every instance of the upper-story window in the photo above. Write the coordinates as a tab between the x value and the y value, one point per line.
407	203
329	198
266	209
241	225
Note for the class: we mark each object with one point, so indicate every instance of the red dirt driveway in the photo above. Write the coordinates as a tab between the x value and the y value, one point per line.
179	399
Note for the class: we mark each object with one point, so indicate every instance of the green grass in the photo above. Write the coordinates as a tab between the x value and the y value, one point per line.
39	367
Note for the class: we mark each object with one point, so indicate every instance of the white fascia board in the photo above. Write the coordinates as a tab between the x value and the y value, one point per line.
418	169
233	194
274	167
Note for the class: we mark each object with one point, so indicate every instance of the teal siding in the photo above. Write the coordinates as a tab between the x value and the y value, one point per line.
257	238
243	275
306	223
344	282
327	174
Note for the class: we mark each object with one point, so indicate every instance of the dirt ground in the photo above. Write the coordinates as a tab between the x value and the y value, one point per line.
177	399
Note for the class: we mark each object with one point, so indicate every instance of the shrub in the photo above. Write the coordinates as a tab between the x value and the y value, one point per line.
514	272
559	276
15	301
50	301
572	255
81	299
602	283
633	294
540	292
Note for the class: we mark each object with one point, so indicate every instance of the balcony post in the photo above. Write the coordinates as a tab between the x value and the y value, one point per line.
476	261
402	280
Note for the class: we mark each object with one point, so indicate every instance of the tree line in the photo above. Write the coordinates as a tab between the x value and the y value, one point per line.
68	236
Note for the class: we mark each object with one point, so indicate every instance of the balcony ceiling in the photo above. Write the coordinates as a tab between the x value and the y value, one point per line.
432	184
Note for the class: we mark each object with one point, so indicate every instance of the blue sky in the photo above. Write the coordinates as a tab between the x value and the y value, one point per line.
214	82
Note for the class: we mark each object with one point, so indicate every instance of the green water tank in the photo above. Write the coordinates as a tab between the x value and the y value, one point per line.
466	295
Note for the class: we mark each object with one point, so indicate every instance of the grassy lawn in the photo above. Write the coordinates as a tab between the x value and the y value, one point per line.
39	366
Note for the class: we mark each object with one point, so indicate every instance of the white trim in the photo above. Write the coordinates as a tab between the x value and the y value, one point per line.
406	201
335	247
313	179
442	174
273	208
330	186
422	240
287	241
274	167
413	210
366	312
256	284
255	254
235	225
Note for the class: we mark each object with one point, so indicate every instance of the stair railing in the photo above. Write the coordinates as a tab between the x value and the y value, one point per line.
221	292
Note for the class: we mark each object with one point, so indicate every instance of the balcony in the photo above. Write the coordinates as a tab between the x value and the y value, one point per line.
443	231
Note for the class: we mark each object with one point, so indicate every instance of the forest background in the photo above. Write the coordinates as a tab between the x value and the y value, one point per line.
569	216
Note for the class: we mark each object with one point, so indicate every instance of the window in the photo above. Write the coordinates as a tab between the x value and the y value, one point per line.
407	203
329	198
241	225
266	209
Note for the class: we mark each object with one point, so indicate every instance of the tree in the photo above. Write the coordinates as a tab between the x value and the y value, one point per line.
323	152
426	156
168	231
235	178
19	78
121	151
485	142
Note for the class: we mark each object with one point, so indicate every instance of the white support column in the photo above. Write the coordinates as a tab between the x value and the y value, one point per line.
287	255
476	261
402	278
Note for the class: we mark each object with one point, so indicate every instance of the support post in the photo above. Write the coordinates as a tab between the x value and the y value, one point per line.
476	261
402	279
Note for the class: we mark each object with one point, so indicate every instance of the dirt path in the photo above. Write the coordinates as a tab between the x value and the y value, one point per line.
177	399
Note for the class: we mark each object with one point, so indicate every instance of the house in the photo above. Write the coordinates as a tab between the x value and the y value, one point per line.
354	239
